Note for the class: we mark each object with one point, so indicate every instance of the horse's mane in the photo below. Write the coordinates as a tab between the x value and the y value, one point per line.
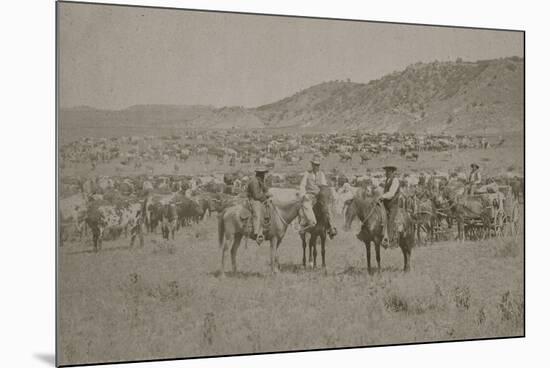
326	193
365	195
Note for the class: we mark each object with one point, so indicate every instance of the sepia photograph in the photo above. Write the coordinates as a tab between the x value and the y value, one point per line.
238	183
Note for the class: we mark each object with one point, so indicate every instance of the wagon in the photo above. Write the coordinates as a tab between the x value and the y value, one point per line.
492	222
504	213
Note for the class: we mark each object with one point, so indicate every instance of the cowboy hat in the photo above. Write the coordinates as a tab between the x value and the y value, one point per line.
315	160
390	167
261	169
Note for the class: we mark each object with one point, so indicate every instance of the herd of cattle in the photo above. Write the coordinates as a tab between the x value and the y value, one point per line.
108	207
259	147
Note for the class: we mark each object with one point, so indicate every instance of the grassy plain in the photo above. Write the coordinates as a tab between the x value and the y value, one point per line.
165	300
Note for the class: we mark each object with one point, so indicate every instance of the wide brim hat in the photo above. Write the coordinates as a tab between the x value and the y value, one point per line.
316	161
261	169
474	165
390	167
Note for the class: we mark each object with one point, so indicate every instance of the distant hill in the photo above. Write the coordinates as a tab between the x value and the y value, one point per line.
451	97
455	97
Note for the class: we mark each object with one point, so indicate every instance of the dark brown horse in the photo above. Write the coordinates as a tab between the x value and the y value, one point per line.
321	229
370	213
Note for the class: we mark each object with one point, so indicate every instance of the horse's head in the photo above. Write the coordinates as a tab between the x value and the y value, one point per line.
322	209
323	204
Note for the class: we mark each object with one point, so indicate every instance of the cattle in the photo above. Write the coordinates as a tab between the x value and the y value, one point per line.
364	157
168	220
188	211
411	156
518	188
72	216
105	184
108	221
345	157
153	209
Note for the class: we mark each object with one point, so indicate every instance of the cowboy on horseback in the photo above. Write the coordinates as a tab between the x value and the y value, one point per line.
311	182
257	193
389	198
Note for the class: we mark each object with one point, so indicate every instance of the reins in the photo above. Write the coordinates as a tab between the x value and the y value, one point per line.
370	213
279	214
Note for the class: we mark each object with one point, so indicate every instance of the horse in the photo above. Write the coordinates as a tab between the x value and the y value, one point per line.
321	229
465	209
234	223
424	215
371	215
468	209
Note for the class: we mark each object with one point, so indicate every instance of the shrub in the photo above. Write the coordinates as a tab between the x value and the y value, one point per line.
462	297
414	294
508	247
511	308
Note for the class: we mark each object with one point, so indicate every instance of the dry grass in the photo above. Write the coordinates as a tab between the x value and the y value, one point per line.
165	300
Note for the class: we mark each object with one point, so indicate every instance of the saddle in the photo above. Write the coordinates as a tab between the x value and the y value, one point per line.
245	214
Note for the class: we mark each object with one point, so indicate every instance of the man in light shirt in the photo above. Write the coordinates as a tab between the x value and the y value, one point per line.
389	198
313	179
311	182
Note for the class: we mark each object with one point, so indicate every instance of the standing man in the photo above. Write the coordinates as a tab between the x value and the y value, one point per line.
389	198
257	194
311	182
474	179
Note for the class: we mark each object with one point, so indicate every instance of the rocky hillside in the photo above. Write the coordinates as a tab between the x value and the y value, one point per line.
451	97
454	97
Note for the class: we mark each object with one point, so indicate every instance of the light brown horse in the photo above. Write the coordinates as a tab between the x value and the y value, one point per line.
232	227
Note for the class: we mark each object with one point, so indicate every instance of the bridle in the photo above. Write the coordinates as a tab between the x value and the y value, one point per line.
371	212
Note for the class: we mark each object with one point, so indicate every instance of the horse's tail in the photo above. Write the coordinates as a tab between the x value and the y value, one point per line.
221	229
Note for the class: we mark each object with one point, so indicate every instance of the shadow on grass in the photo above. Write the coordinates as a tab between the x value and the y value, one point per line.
362	270
291	268
238	274
102	250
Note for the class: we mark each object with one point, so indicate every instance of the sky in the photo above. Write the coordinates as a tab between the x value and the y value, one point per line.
113	57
